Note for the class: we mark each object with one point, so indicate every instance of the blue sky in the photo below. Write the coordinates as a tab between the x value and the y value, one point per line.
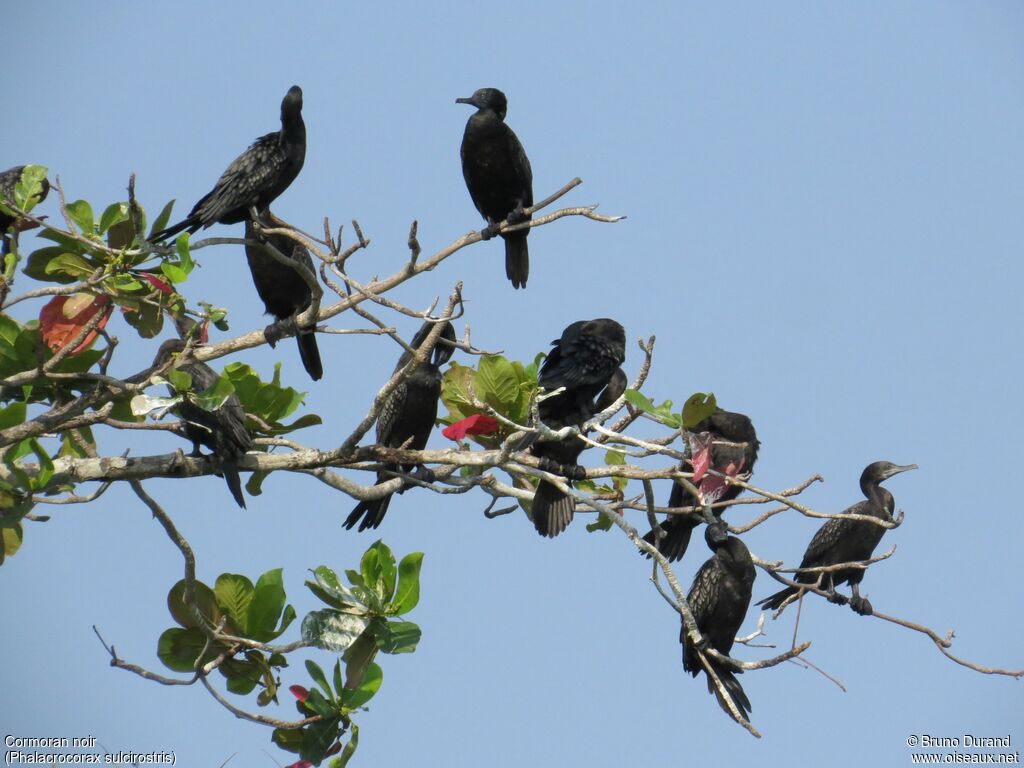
824	228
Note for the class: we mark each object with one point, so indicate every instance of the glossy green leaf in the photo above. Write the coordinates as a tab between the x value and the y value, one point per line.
113	214
349	749
373	677
234	594
328	587
698	407
179	648
162	218
396	636
13	414
318	738
378	570
81	213
358	658
268	608
603	523
213	398
205	602
407	596
496	382
29	187
332	630
319	678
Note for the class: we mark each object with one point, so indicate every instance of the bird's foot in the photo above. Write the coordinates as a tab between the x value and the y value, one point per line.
424	475
861	605
516	216
574	472
490	230
549	465
838	599
276	331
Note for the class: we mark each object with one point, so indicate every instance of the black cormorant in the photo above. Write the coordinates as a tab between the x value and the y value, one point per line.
409	412
585	360
256	177
847	541
222	430
719	599
727	459
498	176
285	294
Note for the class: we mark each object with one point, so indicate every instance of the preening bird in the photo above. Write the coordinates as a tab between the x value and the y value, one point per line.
498	176
222	430
255	178
847	541
585	361
284	292
727	459
719	599
409	412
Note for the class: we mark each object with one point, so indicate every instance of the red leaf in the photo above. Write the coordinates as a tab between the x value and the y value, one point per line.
700	453
299	692
63	317
156	282
300	764
478	424
204	332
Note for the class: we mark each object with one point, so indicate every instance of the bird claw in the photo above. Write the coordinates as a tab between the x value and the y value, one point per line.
277	330
549	465
516	216
838	599
490	230
574	472
424	475
861	605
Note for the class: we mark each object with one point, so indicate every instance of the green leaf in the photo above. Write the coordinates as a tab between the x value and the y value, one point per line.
179	379
179	648
141	405
329	588
162	218
289	740
359	696
350	749
45	473
29	187
318	738
213	398
234	595
378	570
407	596
81	213
319	678
205	602
614	458
698	407
254	485
173	272
358	657
11	537
396	636
603	523
496	382
267	607
148	319
13	414
332	630
114	214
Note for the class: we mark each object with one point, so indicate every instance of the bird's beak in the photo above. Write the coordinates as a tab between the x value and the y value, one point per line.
896	470
465	100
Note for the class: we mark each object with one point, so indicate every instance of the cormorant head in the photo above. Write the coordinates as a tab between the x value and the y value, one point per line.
292	102
880	471
609	330
167	350
488	98
442	352
734	427
715	535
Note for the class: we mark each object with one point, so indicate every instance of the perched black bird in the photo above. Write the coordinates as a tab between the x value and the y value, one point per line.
256	177
285	294
222	431
409	412
498	176
729	460
585	360
719	599
847	541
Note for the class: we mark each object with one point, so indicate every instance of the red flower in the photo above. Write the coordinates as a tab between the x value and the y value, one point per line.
478	424
299	692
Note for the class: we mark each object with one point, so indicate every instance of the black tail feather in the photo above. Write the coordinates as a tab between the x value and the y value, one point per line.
372	513
517	258
230	472
774	602
677	537
310	354
552	510
734	689
192	224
